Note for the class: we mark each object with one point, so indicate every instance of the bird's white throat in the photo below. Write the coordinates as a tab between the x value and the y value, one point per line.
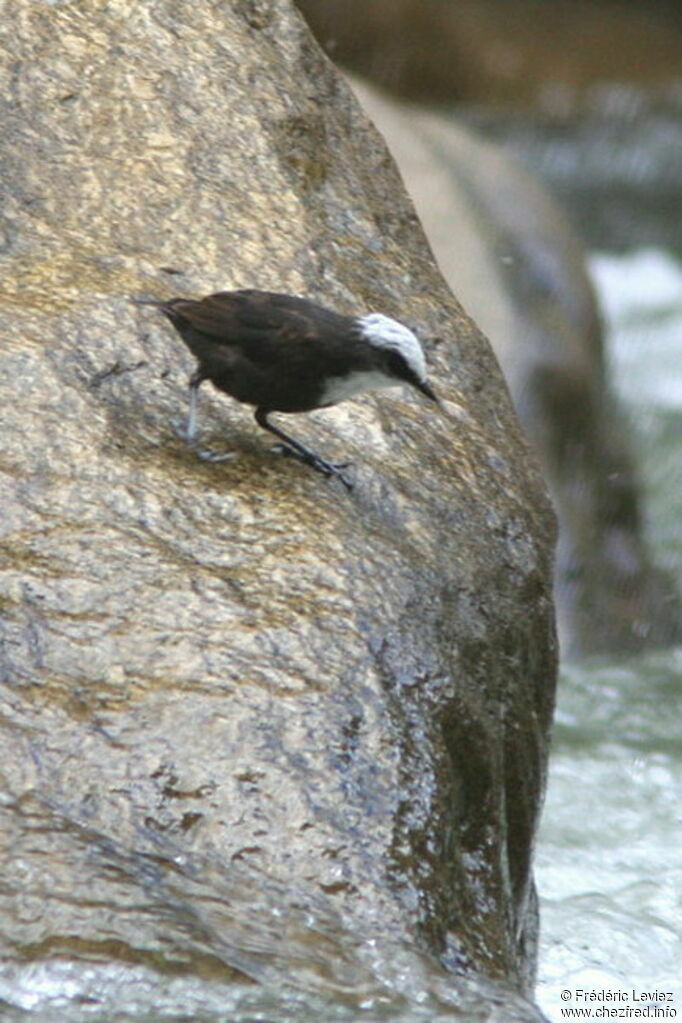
339	388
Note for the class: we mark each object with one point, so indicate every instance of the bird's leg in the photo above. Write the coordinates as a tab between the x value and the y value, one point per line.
300	451
192	415
189	434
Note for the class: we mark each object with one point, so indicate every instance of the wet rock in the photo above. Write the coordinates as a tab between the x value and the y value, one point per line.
252	727
512	260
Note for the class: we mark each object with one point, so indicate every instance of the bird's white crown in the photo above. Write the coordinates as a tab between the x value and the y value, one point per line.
383	332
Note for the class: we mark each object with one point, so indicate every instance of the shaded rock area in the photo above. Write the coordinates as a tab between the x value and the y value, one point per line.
504	52
512	260
253	729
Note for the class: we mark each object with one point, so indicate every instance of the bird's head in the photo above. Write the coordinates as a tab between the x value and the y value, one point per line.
399	353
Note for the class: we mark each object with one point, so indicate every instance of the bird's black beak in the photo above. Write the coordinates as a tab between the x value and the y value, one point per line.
428	391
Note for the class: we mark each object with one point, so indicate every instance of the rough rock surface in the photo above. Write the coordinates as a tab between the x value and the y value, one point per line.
514	264
251	725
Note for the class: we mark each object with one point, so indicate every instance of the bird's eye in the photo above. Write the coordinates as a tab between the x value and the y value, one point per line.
397	367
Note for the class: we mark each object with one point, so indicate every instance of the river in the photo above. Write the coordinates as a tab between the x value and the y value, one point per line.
609	863
609	860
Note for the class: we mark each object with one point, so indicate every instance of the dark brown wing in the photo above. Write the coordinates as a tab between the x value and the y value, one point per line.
259	322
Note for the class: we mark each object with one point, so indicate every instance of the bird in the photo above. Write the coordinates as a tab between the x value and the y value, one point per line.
284	353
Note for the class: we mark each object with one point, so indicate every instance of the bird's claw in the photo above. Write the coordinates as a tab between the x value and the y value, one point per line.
318	463
333	469
207	455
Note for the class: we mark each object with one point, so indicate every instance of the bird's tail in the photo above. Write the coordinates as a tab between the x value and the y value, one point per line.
160	303
167	306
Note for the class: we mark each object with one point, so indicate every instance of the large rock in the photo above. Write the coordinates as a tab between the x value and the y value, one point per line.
252	726
512	260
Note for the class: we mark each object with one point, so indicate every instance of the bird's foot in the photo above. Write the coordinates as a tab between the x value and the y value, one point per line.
321	465
182	432
205	454
208	455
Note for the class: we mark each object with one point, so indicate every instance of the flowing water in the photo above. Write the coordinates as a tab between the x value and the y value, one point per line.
609	860
609	864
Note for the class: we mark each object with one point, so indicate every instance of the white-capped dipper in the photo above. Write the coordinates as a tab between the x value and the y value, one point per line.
282	353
